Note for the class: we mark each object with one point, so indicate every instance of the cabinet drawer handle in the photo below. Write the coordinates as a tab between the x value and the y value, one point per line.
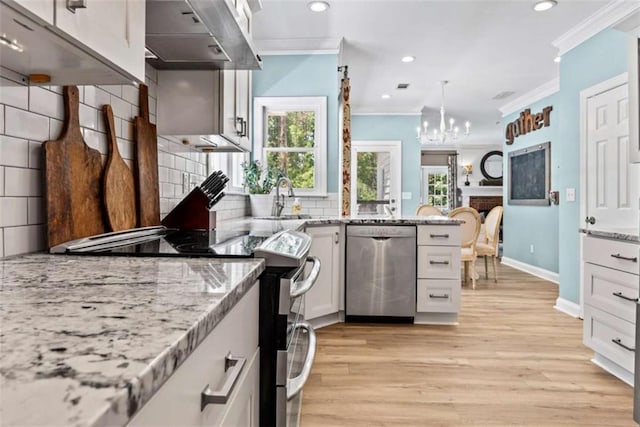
618	341
72	5
618	256
619	295
442	236
444	296
439	262
232	365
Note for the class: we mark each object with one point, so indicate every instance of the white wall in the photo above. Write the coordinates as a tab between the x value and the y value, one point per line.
473	156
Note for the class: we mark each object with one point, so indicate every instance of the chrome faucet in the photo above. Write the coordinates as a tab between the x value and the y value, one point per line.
279	205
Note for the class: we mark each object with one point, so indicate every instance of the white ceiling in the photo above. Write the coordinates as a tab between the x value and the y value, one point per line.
482	47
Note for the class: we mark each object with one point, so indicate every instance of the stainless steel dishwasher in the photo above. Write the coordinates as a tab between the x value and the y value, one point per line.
380	273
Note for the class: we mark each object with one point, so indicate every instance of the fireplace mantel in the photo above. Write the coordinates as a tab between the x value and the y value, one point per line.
479	191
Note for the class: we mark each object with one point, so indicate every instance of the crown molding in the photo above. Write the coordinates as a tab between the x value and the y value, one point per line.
608	16
534	95
413	113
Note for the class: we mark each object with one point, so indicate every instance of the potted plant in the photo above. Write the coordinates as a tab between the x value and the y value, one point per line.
259	182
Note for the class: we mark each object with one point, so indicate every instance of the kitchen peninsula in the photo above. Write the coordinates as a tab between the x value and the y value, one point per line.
88	340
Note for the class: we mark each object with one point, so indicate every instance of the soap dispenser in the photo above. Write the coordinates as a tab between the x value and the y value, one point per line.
296	208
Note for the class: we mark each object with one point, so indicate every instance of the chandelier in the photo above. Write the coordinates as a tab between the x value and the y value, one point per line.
442	134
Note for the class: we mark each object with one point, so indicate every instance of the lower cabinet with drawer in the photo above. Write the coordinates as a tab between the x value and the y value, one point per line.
218	384
611	287
438	285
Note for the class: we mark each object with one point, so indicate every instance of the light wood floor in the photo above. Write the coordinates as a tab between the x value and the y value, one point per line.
512	361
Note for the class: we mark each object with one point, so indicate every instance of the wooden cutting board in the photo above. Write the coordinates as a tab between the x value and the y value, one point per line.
119	191
73	177
148	194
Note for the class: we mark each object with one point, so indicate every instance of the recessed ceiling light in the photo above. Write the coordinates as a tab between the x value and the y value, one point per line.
318	6
386	96
543	5
408	58
557	58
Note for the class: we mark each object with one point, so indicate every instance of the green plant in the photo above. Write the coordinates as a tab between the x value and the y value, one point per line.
257	180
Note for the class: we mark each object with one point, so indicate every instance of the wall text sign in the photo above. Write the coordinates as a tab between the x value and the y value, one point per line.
528	122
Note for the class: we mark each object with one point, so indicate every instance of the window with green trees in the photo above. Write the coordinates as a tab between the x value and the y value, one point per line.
291	135
437	193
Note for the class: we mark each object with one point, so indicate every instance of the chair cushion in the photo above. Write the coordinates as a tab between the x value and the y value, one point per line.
485	249
467	254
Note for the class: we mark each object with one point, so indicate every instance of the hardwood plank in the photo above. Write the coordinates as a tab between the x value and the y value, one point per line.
512	361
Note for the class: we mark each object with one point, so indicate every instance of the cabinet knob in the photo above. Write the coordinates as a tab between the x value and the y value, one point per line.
72	5
590	220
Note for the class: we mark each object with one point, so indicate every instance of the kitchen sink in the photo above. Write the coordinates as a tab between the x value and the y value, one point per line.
284	217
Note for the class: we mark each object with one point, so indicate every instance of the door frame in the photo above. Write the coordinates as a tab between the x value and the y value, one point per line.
393	146
585	94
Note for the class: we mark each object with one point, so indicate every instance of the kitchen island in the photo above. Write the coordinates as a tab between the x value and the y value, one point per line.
88	340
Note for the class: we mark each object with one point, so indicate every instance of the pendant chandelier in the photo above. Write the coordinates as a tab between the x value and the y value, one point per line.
442	135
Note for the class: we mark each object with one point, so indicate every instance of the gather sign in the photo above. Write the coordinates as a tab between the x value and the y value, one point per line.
528	122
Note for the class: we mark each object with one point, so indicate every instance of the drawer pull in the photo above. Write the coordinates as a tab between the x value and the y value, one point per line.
439	262
441	236
619	295
618	256
232	364
443	296
618	341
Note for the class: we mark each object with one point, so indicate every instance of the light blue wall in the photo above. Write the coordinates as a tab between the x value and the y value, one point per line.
306	75
395	128
598	59
524	226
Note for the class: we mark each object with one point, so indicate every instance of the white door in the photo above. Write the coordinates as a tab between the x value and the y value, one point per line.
376	174
612	181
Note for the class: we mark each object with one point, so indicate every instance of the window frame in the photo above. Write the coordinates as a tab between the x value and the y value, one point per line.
225	163
436	170
317	104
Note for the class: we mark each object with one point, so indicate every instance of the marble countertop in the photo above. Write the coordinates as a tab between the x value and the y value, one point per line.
624	234
86	341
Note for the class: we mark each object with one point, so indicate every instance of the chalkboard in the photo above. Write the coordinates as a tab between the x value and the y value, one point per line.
529	175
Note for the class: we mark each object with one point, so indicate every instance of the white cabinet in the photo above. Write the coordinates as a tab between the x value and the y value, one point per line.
634	95
324	297
102	43
212	104
178	401
610	288
438	286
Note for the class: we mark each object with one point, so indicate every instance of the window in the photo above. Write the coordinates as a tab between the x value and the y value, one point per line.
229	164
436	183
291	135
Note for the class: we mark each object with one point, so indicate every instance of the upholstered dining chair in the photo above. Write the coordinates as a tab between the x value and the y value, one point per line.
470	228
424	210
488	245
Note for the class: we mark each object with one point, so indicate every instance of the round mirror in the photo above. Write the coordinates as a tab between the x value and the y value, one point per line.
491	165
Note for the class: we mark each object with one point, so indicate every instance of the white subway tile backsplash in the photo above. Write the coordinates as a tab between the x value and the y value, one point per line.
175	176
126	149
96	140
1	181
55	129
1	118
151	73
166	189
89	117
36	210
163	174
96	97
14	151
1	242
19	240
113	89
35	155
180	163
13	211
22	182
130	94
121	108
14	94
27	125
45	102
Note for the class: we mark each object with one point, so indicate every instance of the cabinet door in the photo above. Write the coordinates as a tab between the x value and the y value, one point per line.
243	104
324	297
114	29
229	104
243	410
42	9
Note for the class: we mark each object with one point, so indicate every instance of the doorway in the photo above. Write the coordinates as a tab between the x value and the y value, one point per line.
376	177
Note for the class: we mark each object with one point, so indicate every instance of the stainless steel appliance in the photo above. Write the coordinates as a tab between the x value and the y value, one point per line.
380	273
636	379
287	342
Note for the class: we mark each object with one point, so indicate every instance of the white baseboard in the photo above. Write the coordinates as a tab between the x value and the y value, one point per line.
567	307
532	269
613	368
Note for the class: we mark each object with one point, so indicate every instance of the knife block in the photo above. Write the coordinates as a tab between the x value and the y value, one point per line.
192	213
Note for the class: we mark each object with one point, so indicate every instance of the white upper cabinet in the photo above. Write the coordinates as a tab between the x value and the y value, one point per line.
634	95
102	43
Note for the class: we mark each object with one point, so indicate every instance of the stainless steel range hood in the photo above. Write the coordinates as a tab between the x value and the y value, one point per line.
198	35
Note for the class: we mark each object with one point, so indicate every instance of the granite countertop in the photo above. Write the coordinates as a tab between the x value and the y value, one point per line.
88	340
624	234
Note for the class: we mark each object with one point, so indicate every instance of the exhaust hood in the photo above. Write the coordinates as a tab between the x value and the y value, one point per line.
198	35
